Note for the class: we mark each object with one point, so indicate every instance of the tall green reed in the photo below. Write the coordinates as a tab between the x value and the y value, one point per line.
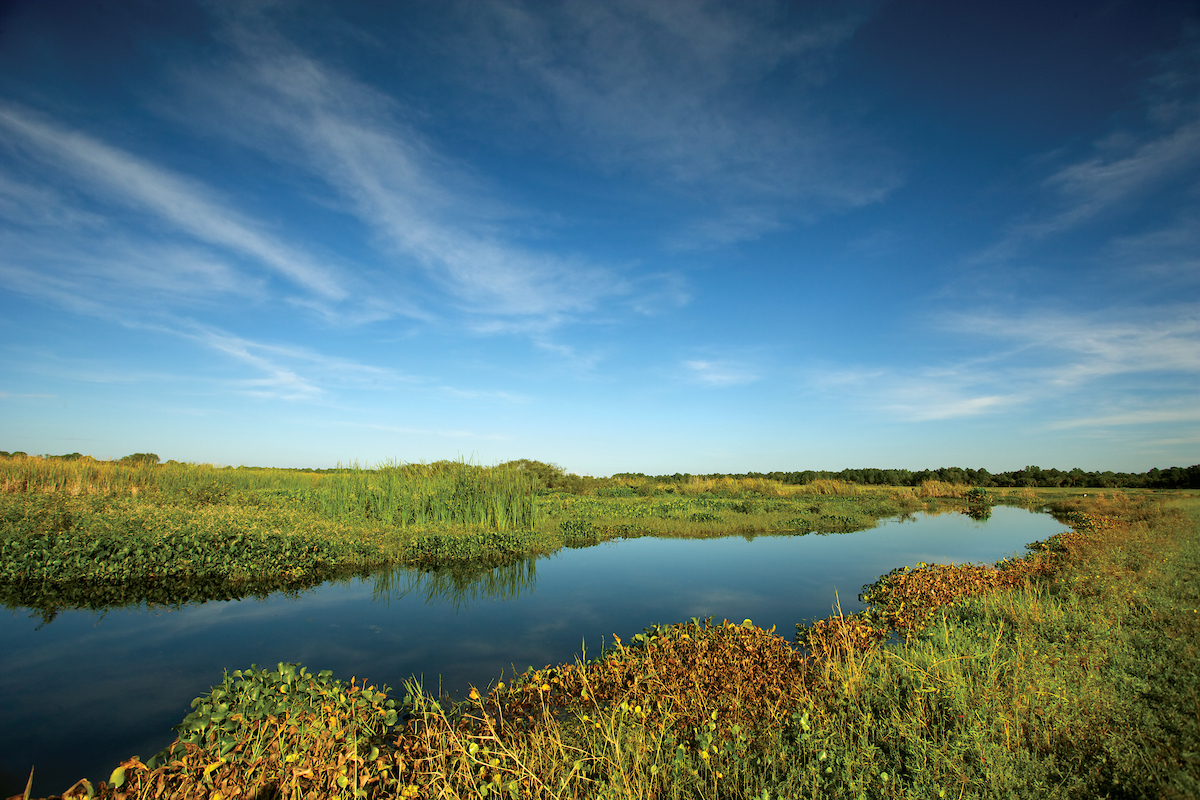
442	493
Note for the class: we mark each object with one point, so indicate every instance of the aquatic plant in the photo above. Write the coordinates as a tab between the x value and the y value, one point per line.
454	492
59	551
272	733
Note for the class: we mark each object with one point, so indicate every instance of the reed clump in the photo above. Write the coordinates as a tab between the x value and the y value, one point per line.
943	489
441	493
394	493
825	486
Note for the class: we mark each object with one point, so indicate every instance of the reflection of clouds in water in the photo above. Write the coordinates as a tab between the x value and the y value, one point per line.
553	626
718	602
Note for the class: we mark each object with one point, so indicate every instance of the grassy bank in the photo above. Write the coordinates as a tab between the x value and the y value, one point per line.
1068	673
82	533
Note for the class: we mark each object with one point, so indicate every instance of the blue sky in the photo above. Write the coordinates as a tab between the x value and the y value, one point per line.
673	236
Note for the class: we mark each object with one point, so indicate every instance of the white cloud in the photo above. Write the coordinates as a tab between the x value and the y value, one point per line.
677	92
1104	181
1043	361
918	395
1167	257
41	207
289	372
440	433
426	210
478	394
721	372
922	403
111	273
1083	348
117	175
1148	416
1122	171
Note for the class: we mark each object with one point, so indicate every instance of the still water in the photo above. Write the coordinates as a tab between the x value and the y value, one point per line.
89	689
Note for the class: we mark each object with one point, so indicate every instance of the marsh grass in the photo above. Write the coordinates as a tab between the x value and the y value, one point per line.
418	495
82	533
942	489
77	533
729	487
394	493
585	520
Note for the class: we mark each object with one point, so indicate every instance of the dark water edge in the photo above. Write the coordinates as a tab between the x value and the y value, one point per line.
93	687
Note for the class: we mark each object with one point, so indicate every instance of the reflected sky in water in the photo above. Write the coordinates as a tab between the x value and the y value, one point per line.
89	689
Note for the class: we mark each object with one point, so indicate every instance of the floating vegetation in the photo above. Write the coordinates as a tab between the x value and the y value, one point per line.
907	599
59	552
271	733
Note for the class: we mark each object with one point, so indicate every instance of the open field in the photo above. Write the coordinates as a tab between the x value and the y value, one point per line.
1068	673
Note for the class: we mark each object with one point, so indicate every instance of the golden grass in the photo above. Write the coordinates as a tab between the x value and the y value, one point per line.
942	489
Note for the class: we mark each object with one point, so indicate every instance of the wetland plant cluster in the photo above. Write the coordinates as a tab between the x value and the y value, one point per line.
77	533
1073	681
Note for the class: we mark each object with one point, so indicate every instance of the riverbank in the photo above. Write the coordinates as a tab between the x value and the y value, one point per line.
1070	679
83	534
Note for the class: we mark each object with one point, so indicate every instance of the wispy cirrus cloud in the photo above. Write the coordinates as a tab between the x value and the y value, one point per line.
430	216
676	91
1121	170
918	395
436	432
19	396
119	176
111	274
1114	178
483	394
1148	416
720	372
1044	363
926	402
1167	256
1082	348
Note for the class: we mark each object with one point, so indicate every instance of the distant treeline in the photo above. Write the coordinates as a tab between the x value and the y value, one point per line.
152	458
1170	478
552	476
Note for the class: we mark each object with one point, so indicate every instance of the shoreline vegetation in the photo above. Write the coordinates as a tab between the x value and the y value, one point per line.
81	533
1067	673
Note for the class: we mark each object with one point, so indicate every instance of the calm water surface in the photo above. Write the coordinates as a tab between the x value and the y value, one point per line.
89	689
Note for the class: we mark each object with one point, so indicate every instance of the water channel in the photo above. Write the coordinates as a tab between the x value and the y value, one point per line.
89	689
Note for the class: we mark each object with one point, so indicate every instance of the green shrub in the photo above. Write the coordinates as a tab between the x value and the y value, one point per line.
281	732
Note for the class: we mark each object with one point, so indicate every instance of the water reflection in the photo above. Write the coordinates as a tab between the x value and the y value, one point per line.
48	600
979	513
458	588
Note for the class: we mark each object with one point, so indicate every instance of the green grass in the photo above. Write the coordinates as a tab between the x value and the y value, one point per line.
87	534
